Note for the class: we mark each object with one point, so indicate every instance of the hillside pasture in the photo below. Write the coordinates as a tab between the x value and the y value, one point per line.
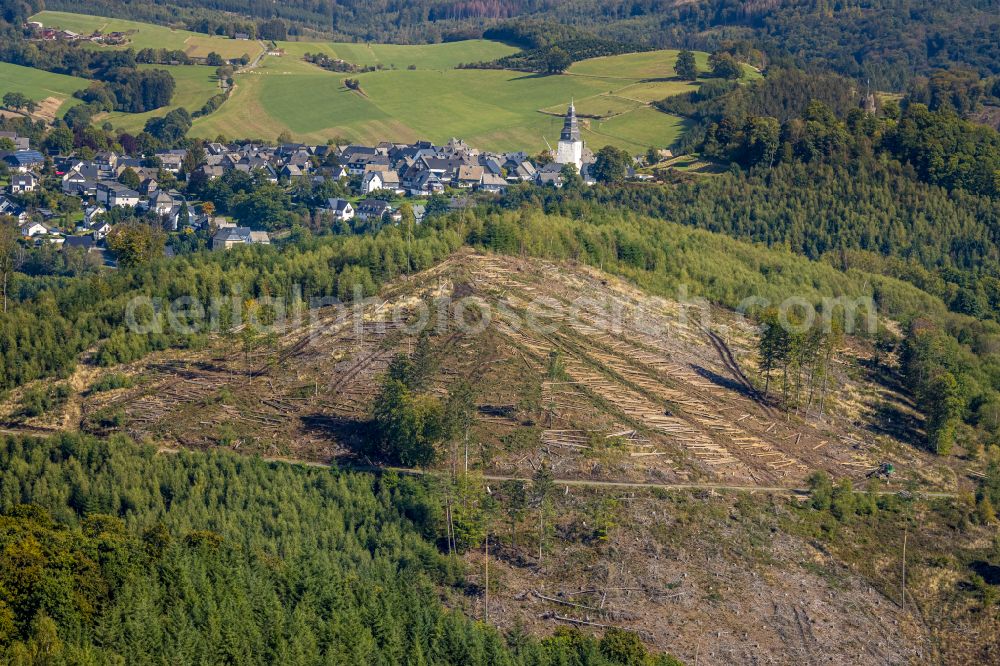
147	35
648	65
651	91
491	109
53	91
400	56
604	105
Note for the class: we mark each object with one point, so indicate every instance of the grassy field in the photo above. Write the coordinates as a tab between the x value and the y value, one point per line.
604	105
646	65
143	35
147	35
491	109
423	56
41	86
497	110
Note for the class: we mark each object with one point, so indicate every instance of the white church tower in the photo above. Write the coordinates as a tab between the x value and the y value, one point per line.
570	149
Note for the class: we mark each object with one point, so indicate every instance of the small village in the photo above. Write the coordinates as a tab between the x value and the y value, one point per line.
377	178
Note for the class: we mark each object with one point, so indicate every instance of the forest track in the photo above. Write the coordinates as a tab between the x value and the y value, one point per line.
733	366
589	483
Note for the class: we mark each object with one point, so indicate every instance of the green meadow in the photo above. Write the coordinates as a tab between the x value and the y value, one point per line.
147	35
41	86
648	65
492	109
418	93
397	56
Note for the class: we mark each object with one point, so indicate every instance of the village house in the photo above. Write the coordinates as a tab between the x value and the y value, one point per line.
148	187
550	175
230	237
8	207
133	163
425	183
91	213
469	176
419	211
380	180
342	209
81	179
107	161
290	171
372	209
492	183
34	229
171	160
23	182
161	203
430	183
23	161
20	142
337	172
113	194
213	172
94	224
356	158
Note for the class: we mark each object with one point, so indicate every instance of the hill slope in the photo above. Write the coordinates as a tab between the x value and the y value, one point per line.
53	92
644	396
586	373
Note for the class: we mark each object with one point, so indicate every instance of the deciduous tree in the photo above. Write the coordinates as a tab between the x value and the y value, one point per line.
685	67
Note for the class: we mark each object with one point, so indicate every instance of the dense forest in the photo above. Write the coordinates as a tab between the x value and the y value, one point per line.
793	116
881	221
886	41
112	553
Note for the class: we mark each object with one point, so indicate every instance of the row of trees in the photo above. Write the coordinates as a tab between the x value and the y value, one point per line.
16	101
557	55
164	57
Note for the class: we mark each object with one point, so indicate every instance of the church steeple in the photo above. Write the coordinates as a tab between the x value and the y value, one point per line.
571	129
570	148
868	104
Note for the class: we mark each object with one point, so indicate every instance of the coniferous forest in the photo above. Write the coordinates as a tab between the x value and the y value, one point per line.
111	553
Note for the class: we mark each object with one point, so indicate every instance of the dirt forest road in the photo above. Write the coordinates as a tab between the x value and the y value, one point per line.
573	483
590	483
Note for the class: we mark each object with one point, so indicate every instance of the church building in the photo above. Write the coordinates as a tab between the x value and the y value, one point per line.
570	148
